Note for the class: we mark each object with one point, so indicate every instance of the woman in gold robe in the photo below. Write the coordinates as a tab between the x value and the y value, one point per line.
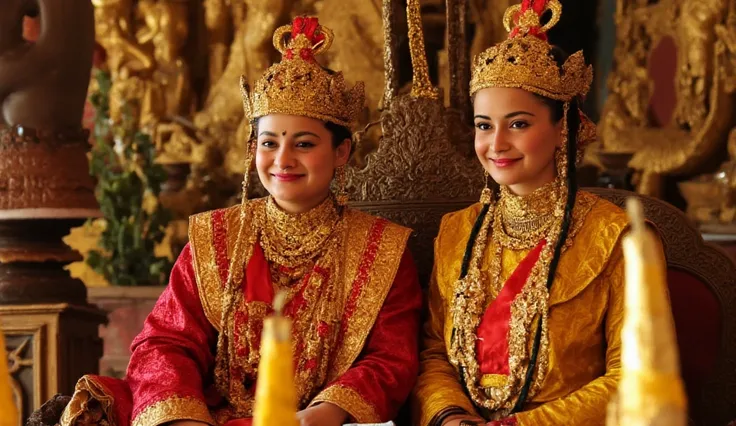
351	286
525	305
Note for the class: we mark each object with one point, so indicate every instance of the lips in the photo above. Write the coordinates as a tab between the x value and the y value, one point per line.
505	162
286	177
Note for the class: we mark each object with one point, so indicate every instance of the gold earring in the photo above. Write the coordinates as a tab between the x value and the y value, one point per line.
485	194
342	193
561	153
248	166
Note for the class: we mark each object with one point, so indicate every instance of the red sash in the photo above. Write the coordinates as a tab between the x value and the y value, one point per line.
492	348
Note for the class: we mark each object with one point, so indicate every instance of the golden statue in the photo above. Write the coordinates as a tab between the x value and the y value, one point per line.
167	30
219	24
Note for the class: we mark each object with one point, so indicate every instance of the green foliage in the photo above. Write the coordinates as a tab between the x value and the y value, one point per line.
128	185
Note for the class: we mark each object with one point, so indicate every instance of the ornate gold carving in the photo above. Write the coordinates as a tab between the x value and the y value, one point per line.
423	167
696	31
421	85
16	362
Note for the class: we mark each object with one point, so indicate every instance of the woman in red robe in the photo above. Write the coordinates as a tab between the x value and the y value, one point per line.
351	284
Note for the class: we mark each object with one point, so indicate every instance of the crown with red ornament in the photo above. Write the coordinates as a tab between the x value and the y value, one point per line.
298	85
525	59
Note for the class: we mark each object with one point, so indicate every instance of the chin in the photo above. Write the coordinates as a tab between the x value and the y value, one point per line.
504	179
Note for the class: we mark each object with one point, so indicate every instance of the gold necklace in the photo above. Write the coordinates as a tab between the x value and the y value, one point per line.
525	220
294	240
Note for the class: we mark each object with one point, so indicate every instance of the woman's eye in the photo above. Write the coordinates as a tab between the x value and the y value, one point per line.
483	126
304	144
519	124
268	144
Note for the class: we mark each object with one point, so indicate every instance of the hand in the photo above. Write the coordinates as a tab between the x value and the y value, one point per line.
455	420
324	414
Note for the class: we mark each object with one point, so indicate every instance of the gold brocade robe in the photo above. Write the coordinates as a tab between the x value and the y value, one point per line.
172	372
585	319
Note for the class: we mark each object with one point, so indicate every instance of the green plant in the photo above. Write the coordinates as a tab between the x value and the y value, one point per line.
128	185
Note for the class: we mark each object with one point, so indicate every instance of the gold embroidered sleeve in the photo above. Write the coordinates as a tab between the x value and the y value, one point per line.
438	386
349	400
587	405
174	409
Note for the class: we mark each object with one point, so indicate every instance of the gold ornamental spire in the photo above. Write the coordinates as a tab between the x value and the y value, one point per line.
276	400
650	392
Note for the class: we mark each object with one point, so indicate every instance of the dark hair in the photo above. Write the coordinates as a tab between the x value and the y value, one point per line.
339	133
557	109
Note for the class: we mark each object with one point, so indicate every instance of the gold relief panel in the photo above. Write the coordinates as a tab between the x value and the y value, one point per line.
24	348
669	100
49	347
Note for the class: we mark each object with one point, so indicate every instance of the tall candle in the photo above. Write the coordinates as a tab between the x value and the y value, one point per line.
276	400
650	391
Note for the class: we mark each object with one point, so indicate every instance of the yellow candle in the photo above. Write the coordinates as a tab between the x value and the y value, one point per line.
276	400
651	390
8	413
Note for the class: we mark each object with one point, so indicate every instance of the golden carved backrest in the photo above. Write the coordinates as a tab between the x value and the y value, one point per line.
702	284
424	166
671	88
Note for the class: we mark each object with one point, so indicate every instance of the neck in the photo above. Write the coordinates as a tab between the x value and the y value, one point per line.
300	207
530	215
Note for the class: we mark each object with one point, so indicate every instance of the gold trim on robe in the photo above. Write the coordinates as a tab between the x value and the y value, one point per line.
174	409
349	400
86	391
373	253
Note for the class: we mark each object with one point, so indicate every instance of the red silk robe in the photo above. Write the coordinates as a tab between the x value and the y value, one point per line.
170	377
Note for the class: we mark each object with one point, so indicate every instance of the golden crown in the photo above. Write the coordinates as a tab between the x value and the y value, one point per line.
525	59
298	85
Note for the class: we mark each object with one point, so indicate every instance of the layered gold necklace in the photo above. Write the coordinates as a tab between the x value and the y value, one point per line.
524	220
516	223
304	253
292	242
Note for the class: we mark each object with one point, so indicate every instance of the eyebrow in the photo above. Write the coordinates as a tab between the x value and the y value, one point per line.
509	115
267	133
305	133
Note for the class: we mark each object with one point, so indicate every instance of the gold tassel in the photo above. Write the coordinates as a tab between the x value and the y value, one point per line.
342	193
486	195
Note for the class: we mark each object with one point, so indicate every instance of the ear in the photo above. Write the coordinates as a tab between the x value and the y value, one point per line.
342	152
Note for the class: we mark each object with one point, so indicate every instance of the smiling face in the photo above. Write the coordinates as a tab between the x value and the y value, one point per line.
515	138
296	160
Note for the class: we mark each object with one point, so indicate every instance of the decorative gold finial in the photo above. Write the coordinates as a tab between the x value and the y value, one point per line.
298	85
276	398
651	391
279	301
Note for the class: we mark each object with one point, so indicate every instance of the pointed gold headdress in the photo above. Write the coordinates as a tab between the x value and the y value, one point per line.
525	61
298	85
